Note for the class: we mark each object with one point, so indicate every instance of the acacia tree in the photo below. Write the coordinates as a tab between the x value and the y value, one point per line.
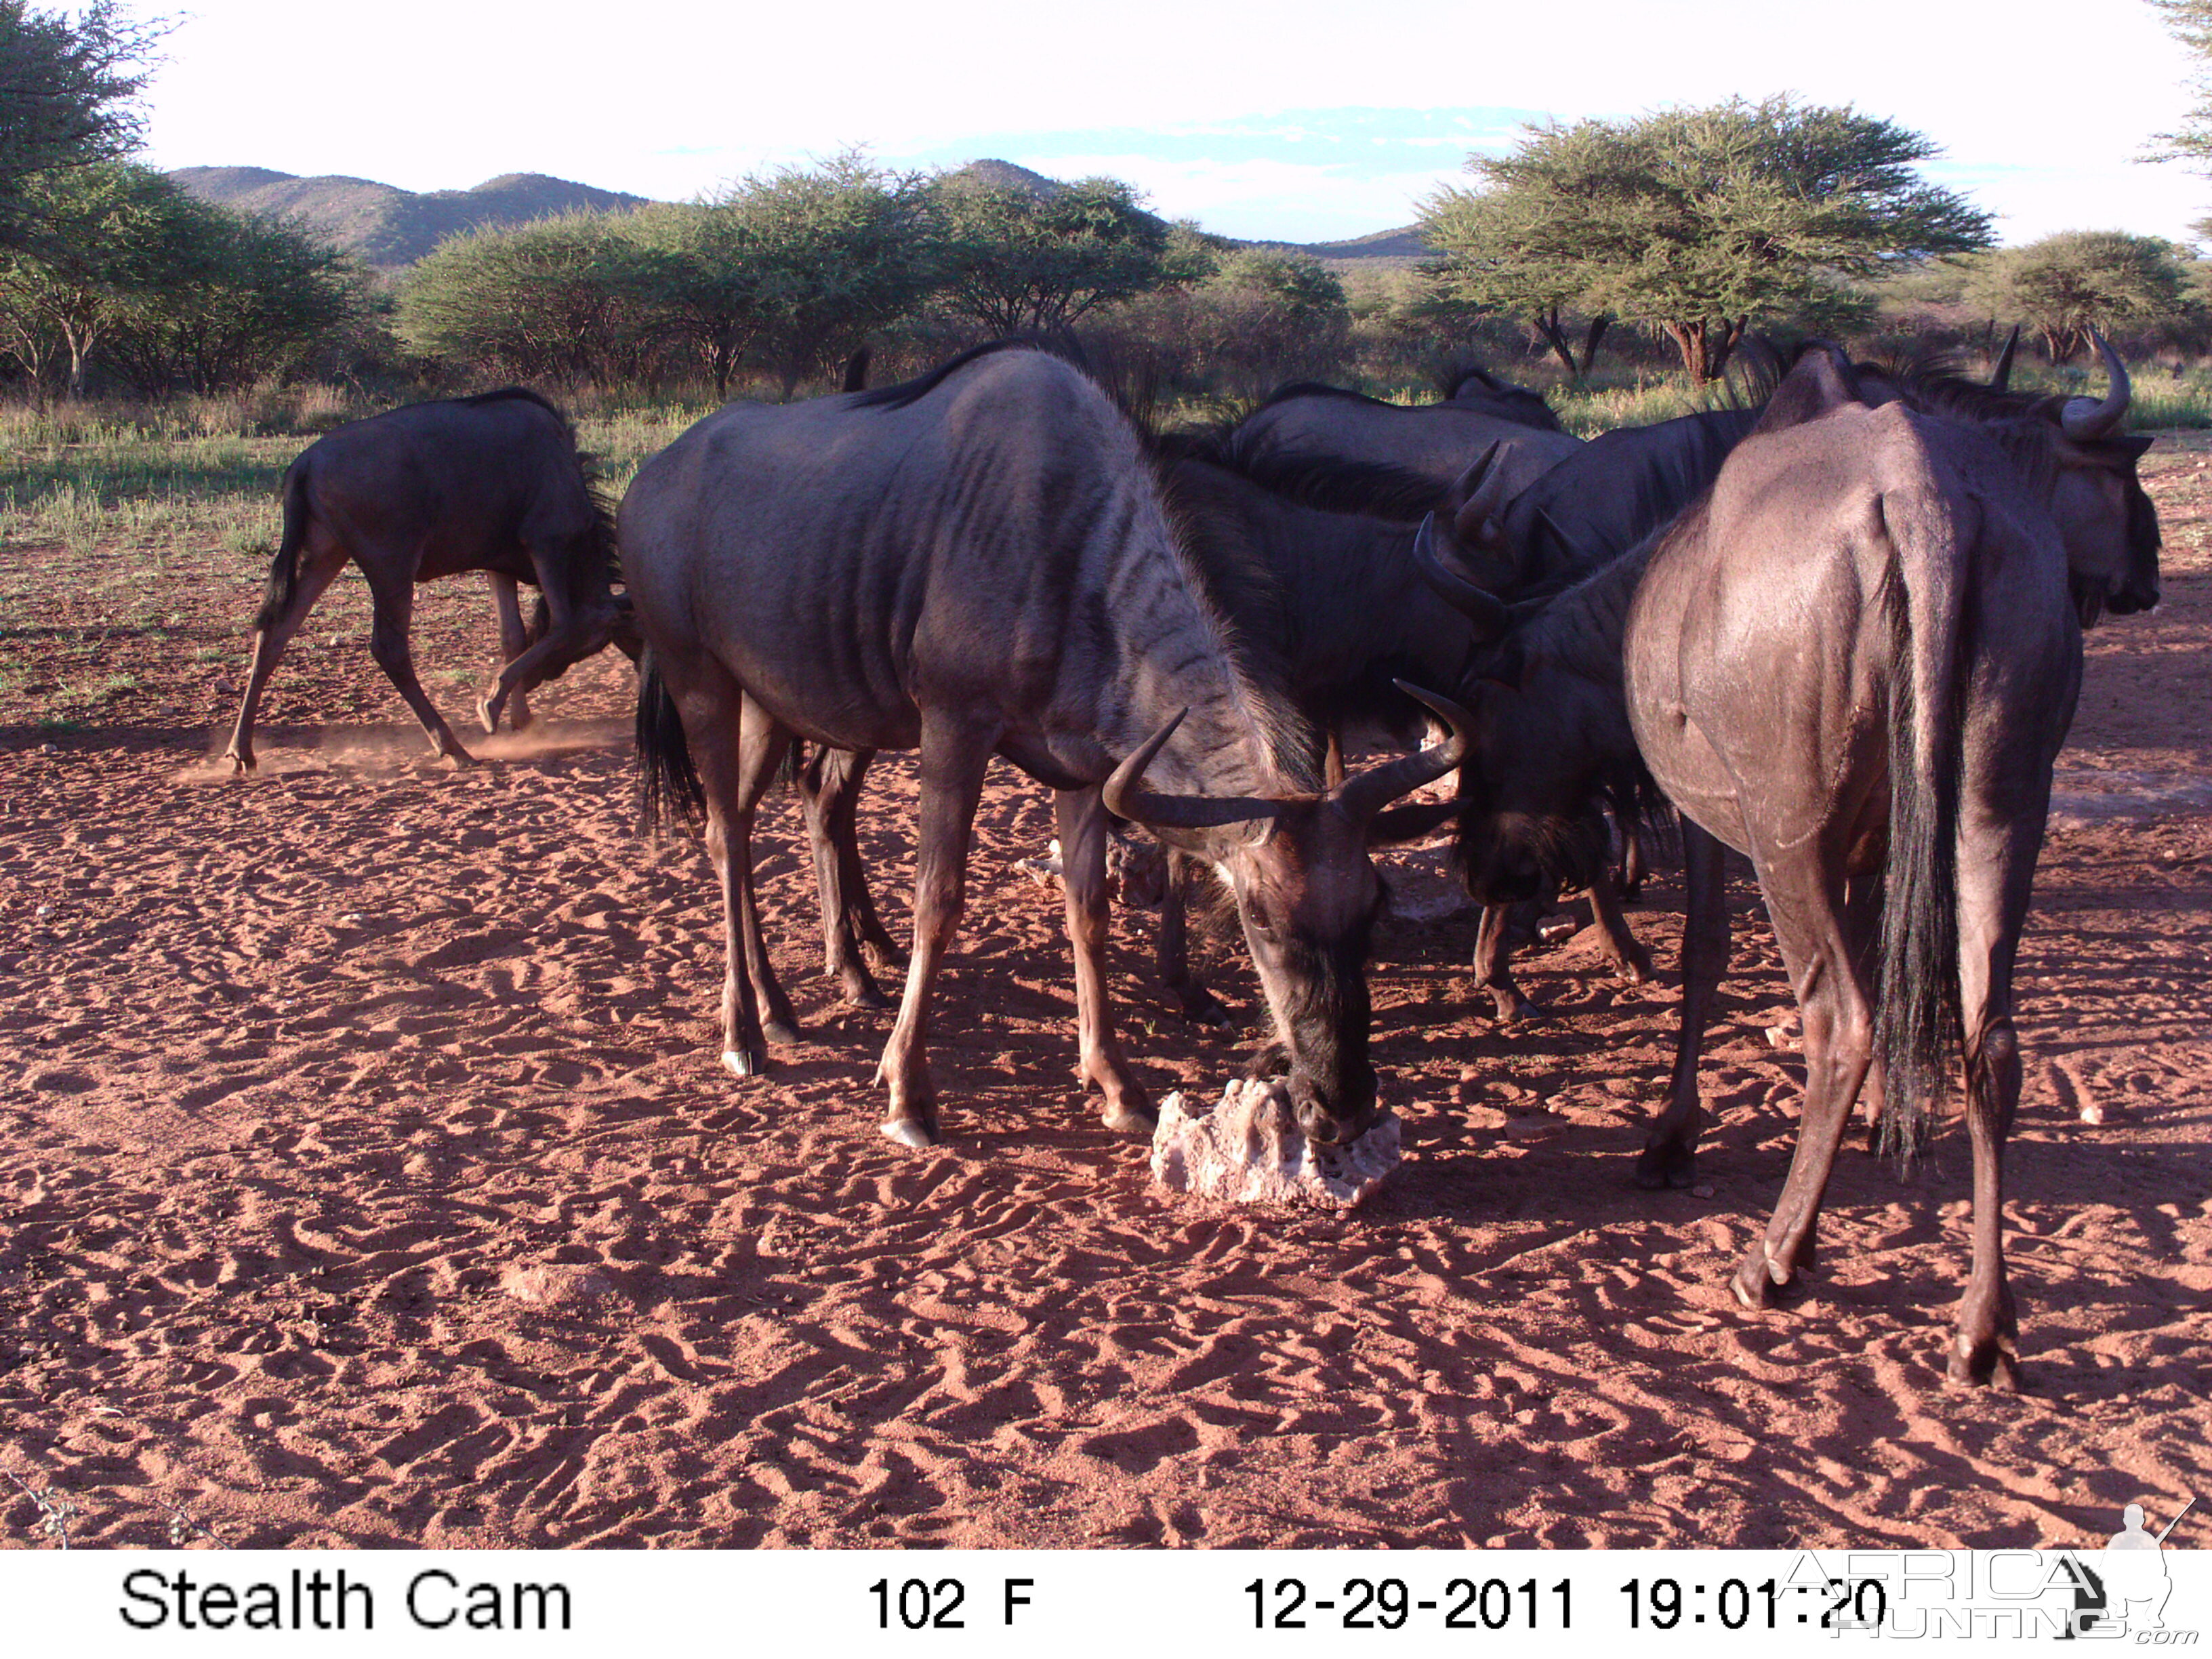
105	229
1698	223
795	269
569	298
1022	259
68	92
230	297
2065	285
2191	21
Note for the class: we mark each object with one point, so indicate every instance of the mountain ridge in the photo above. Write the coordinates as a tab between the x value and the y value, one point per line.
392	228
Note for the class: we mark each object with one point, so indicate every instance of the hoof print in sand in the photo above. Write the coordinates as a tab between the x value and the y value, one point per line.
1248	1149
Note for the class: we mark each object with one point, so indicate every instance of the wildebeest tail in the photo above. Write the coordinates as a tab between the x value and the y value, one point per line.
669	795
1917	1021
285	568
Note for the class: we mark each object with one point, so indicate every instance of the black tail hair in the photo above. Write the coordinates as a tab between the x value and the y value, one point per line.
856	371
1917	1014
669	794
285	568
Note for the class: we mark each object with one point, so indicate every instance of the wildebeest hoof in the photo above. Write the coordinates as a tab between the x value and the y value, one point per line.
1662	1167
1638	971
457	760
743	1062
1517	1010
889	958
1130	1120
779	1030
1754	1283
907	1132
1988	1364
488	714
864	994
240	764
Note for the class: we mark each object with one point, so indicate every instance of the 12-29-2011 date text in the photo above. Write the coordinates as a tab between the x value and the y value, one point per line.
1464	1603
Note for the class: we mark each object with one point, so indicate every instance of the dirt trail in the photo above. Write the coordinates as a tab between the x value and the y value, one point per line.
370	1178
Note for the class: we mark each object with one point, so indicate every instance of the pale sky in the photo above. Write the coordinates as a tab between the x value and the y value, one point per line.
1288	120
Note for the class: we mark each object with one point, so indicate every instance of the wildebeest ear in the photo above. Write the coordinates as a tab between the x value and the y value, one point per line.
1399	824
2136	445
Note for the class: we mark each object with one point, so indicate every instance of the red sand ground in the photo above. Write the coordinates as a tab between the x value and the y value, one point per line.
370	1179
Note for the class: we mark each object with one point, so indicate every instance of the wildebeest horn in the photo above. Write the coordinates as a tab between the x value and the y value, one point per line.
1368	794
1125	800
1480	489
2001	376
2084	419
1483	609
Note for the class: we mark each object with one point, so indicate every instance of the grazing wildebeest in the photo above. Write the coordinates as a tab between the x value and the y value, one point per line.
1332	607
492	482
1855	660
1304	423
977	563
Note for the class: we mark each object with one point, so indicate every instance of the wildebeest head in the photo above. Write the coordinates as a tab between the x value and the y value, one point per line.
1308	897
1529	823
2108	522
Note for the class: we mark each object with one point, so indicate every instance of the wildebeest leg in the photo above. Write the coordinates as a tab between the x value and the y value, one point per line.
1669	1152
1995	870
1630	959
392	604
318	569
760	746
714	720
953	760
1804	900
1631	869
830	790
1080	818
1863	909
1199	1005
1493	964
514	640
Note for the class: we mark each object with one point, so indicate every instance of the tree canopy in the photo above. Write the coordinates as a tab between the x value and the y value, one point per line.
1019	259
2065	285
1696	222
67	98
2191	21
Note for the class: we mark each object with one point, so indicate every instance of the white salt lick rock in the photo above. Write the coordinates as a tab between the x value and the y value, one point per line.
1248	1149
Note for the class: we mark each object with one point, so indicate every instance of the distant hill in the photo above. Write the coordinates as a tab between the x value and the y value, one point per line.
389	227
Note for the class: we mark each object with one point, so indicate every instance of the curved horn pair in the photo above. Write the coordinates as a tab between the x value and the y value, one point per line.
1479	606
2084	420
1362	796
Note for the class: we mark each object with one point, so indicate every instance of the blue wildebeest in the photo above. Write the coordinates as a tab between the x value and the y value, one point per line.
977	563
1304	422
492	482
1855	660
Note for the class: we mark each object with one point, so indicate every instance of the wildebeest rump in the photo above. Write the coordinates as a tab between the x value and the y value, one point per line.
978	562
1854	661
492	482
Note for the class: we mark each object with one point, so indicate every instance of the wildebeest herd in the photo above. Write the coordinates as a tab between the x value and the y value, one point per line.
1839	631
